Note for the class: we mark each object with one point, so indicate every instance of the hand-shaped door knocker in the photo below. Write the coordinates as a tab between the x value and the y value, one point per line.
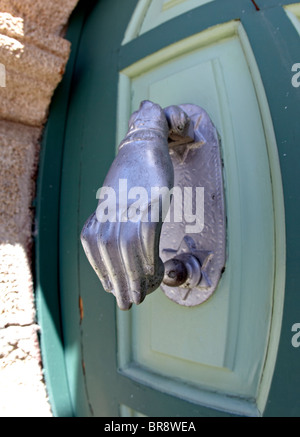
160	219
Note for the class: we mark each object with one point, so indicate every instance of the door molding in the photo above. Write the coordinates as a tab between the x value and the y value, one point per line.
282	398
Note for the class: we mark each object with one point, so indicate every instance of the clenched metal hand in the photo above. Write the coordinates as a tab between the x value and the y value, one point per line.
122	249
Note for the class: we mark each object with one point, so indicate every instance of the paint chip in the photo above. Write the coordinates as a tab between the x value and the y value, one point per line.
81	309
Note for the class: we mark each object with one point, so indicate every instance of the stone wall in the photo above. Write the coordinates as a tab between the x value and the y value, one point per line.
33	56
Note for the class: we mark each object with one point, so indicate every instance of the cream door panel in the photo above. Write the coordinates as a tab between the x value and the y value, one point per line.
215	352
151	13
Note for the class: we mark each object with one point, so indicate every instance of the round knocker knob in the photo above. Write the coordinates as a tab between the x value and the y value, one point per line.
183	271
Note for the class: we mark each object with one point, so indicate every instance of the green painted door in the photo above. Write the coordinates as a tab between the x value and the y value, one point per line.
236	354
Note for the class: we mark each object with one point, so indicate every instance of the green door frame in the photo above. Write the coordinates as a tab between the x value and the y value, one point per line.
281	40
47	240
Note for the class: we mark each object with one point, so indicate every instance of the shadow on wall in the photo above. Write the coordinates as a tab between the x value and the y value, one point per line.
33	55
47	273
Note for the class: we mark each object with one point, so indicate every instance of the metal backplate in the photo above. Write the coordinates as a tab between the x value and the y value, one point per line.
198	170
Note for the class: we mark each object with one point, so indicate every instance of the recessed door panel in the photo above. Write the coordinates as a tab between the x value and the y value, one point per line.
151	13
220	345
293	12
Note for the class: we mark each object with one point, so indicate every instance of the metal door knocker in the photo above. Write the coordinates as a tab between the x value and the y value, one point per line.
160	219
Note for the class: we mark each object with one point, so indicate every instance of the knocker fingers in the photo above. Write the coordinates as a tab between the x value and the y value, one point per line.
134	261
88	238
110	252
